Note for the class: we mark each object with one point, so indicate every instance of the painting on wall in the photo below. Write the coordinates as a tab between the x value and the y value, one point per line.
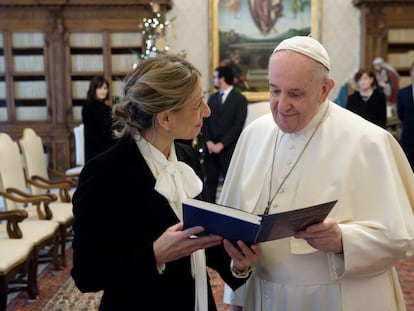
245	32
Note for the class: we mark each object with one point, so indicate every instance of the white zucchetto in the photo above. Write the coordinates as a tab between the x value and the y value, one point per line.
378	61
307	46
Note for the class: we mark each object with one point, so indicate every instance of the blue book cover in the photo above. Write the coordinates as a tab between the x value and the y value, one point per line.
234	224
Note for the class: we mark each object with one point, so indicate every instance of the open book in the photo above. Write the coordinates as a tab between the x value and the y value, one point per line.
234	224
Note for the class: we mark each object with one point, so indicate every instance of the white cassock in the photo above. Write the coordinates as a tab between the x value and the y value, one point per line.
349	160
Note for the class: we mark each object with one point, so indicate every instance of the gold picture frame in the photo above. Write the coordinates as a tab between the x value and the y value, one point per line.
214	11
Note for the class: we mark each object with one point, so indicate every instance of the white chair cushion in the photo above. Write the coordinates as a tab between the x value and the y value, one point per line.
62	212
13	253
79	144
74	170
36	231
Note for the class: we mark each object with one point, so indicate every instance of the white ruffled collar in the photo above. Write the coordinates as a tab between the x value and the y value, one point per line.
175	180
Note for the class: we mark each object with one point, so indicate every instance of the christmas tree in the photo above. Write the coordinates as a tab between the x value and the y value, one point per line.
154	32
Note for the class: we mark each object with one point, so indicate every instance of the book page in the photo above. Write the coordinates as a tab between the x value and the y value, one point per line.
282	225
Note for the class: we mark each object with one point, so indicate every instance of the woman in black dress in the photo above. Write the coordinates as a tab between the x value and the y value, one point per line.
96	117
368	101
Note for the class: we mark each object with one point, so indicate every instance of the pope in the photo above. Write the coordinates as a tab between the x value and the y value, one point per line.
314	151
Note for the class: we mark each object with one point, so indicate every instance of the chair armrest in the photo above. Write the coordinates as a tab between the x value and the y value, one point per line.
16	195
45	196
42	183
31	198
13	218
50	184
71	178
22	197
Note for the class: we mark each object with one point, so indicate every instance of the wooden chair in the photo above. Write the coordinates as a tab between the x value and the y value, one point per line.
37	171
44	212
79	150
38	227
43	233
17	256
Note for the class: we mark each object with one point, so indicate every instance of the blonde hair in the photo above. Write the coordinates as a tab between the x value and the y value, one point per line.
157	84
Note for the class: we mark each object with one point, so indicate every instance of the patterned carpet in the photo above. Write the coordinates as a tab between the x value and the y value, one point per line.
406	275
58	292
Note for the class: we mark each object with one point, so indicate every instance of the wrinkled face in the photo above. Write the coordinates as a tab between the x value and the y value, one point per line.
365	81
101	92
186	122
297	90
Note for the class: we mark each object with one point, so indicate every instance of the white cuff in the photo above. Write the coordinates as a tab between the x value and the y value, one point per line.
240	274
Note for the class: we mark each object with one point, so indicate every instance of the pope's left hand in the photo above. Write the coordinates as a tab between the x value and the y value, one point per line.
325	236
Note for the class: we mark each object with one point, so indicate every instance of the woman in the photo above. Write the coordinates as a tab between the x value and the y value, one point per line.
129	240
96	117
368	102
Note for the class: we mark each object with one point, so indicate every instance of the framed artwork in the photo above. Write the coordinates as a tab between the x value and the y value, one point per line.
243	34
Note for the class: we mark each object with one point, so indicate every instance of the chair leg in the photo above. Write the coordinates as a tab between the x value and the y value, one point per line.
62	233
55	253
3	292
32	286
52	255
29	267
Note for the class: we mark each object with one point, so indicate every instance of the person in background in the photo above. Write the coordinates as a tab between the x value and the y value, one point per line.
310	151
387	78
348	88
96	118
222	129
129	239
368	102
405	110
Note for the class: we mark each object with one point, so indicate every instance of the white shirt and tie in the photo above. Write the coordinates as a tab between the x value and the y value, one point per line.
223	94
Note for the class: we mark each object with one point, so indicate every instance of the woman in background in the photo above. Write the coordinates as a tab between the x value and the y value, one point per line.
368	101
96	117
129	239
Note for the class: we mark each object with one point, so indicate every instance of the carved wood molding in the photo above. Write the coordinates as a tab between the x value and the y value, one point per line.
381	2
106	3
98	17
377	18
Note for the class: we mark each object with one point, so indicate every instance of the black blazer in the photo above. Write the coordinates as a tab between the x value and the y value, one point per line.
97	121
226	121
118	216
405	108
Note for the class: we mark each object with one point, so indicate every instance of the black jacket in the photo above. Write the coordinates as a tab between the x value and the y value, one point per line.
97	121
405	109
118	216
226	121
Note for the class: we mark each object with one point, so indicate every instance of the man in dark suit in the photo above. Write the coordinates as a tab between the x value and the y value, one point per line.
223	128
405	109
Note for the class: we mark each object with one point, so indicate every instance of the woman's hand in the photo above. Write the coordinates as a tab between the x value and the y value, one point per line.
242	255
176	243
